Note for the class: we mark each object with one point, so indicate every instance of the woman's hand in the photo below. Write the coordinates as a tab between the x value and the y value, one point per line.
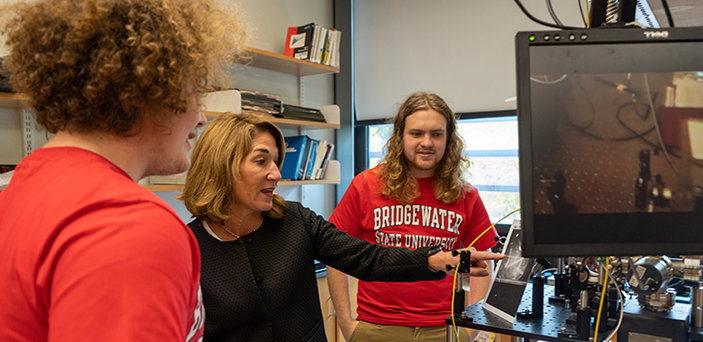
479	267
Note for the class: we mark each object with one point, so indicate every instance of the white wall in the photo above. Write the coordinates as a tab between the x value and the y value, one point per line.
462	50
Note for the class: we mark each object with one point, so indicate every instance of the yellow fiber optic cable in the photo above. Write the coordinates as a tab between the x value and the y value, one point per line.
457	267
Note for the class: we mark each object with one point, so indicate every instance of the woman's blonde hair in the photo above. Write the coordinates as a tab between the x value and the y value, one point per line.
399	184
93	65
218	152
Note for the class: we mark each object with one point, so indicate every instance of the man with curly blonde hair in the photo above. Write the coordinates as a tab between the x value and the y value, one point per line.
415	198
89	255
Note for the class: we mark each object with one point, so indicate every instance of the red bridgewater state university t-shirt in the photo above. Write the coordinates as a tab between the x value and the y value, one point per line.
365	214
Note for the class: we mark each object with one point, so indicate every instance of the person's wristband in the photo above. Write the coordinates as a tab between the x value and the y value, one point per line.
430	252
434	250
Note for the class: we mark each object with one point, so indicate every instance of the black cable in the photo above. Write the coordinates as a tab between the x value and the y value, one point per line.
668	13
533	18
553	14
583	17
637	135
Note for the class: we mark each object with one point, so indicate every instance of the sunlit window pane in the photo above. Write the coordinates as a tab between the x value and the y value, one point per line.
489	133
499	204
378	135
492	147
494	170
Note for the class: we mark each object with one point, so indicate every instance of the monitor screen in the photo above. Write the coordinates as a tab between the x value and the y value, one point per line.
610	134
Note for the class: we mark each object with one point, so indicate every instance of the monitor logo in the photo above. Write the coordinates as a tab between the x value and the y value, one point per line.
656	34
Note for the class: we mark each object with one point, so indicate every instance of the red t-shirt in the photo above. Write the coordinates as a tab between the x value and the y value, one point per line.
88	255
365	214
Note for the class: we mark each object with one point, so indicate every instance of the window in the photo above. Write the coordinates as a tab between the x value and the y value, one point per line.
491	144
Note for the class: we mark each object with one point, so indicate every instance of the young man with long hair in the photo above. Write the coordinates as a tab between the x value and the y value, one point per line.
416	197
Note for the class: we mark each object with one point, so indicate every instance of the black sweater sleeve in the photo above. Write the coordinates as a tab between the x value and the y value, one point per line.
364	260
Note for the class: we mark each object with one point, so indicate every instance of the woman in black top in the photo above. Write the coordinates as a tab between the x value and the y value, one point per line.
258	250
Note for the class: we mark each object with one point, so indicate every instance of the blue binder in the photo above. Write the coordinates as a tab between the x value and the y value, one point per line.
295	157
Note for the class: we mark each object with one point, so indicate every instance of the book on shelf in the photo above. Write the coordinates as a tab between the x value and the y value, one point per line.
314	43
319	157
304	160
326	49
335	49
325	161
319	46
329	50
310	162
314	54
299	41
295	154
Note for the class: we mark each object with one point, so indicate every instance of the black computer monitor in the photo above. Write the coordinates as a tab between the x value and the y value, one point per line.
611	132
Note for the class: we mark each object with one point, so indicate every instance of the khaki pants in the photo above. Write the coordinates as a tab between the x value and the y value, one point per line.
372	332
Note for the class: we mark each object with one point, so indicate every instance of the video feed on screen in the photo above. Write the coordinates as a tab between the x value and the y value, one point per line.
616	142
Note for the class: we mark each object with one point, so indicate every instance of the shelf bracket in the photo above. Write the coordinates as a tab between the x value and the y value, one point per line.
301	91
28	131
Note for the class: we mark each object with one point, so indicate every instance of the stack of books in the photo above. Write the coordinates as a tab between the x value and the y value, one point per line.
306	158
301	113
314	43
256	102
